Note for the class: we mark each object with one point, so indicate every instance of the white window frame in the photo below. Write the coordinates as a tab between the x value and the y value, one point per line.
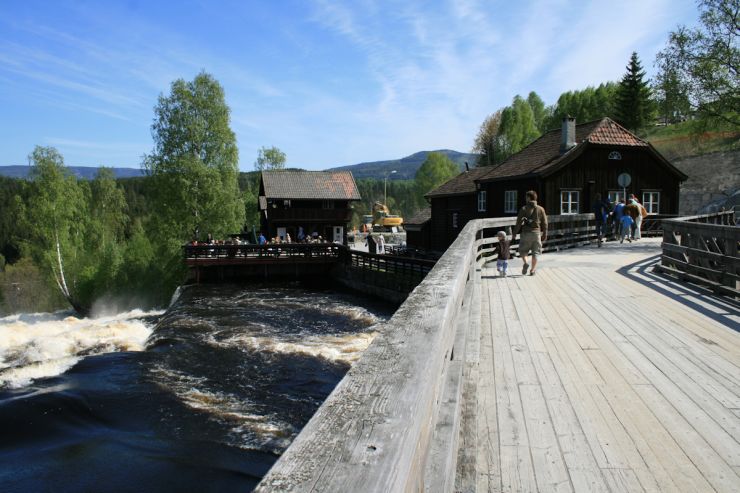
510	201
650	205
482	201
455	220
616	195
568	200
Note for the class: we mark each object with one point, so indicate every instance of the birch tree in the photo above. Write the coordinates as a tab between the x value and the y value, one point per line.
57	215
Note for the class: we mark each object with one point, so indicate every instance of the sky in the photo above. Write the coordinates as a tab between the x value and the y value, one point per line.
329	83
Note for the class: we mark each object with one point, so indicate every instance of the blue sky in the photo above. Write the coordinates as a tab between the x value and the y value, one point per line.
329	83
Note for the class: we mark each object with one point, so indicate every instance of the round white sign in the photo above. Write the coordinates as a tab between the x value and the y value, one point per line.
624	180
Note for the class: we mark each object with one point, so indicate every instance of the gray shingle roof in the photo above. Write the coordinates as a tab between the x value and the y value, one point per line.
420	217
319	185
461	184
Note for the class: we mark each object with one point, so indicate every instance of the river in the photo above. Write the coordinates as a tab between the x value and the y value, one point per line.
203	397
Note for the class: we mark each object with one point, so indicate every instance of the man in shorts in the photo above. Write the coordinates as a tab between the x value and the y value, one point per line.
532	223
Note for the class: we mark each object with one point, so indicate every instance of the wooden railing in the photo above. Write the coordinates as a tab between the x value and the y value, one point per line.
704	250
652	225
203	254
393	423
397	273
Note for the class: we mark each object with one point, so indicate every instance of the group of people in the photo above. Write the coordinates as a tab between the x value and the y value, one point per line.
623	220
301	238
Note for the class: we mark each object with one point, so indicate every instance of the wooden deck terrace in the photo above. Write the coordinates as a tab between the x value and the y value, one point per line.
597	374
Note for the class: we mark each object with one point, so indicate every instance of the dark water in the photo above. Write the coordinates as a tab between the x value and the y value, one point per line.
218	390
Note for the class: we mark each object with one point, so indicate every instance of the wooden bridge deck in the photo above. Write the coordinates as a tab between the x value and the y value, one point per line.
598	375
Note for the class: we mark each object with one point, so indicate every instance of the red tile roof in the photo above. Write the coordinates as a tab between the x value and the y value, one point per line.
544	153
319	185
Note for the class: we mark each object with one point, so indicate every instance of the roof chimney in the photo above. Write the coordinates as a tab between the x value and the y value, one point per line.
568	140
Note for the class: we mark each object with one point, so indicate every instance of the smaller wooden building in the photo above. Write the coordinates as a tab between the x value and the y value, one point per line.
419	229
567	168
318	203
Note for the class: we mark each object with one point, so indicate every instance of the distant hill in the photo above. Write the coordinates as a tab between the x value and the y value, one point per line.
84	172
405	167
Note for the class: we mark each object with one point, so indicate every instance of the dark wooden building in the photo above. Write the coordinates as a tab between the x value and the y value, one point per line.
315	201
566	168
419	229
453	204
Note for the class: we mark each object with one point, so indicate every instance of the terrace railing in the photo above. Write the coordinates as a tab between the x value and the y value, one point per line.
704	250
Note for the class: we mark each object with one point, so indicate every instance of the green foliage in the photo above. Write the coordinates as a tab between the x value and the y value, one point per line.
270	158
671	93
486	140
194	162
589	104
693	138
634	106
539	111
58	221
436	170
13	193
402	199
706	61
25	288
518	127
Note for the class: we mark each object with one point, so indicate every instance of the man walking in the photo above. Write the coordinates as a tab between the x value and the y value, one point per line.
532	223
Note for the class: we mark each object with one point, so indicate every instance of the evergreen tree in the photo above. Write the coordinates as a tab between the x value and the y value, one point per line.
634	108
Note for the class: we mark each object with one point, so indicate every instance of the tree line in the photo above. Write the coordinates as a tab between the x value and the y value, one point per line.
117	243
697	78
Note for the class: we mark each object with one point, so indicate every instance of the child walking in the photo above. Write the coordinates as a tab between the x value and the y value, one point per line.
626	232
503	254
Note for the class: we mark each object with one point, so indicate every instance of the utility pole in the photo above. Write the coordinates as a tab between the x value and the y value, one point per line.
385	188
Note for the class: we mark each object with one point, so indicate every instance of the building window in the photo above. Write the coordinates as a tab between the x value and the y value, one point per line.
651	202
454	220
510	201
328	204
569	200
616	195
286	203
615	155
482	201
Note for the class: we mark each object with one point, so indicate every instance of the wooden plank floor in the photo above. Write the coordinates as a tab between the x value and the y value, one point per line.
598	375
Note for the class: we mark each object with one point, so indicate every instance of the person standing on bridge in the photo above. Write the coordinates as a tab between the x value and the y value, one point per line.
600	214
502	253
532	222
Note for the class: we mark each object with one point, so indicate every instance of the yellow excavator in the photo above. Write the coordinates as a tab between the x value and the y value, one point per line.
382	219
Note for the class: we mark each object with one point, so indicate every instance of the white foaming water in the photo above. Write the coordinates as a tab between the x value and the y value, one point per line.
345	348
39	345
249	429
